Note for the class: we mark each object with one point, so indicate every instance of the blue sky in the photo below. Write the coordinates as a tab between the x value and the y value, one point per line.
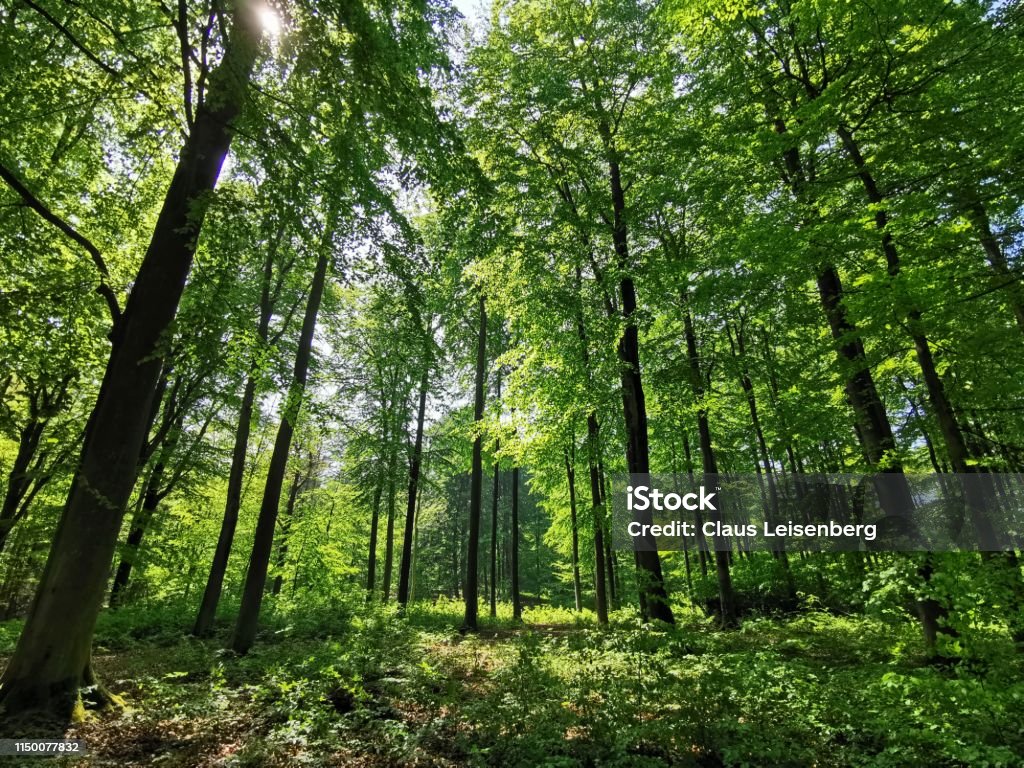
471	9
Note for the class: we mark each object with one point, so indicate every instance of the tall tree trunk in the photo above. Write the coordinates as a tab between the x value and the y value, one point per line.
151	499
727	601
570	471
389	531
495	493
263	541
874	431
470	593
601	586
601	546
653	595
611	557
405	575
19	479
371	564
956	448
494	517
1003	276
517	602
772	509
872	423
236	474
51	662
286	526
415	543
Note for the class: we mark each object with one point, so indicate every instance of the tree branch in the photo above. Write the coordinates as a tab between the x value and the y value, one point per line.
103	289
74	40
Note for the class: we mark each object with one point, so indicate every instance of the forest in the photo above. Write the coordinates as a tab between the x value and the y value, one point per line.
329	329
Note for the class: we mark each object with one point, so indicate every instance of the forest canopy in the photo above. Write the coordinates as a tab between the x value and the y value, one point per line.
328	326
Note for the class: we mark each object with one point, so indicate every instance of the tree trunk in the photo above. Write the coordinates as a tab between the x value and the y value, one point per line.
593	447
415	543
494	531
611	557
151	500
263	542
653	595
236	475
405	575
389	531
494	517
517	602
602	551
52	660
476	478
1003	276
570	472
772	509
286	526
19	479
727	601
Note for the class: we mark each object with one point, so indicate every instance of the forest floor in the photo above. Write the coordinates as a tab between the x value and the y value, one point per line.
371	689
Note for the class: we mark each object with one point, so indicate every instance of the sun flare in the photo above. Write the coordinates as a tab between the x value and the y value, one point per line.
271	21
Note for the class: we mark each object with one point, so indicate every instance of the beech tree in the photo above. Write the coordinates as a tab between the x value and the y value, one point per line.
51	665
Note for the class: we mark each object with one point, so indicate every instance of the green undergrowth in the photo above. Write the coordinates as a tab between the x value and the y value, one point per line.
368	687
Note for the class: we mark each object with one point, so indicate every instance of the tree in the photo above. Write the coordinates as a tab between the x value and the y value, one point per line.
259	559
476	484
52	660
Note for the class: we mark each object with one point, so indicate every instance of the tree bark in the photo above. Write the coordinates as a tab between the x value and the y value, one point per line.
405	574
19	478
263	542
236	474
727	601
285	534
470	593
1003	276
371	564
52	660
517	602
653	595
570	472
602	554
151	499
389	531
494	518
